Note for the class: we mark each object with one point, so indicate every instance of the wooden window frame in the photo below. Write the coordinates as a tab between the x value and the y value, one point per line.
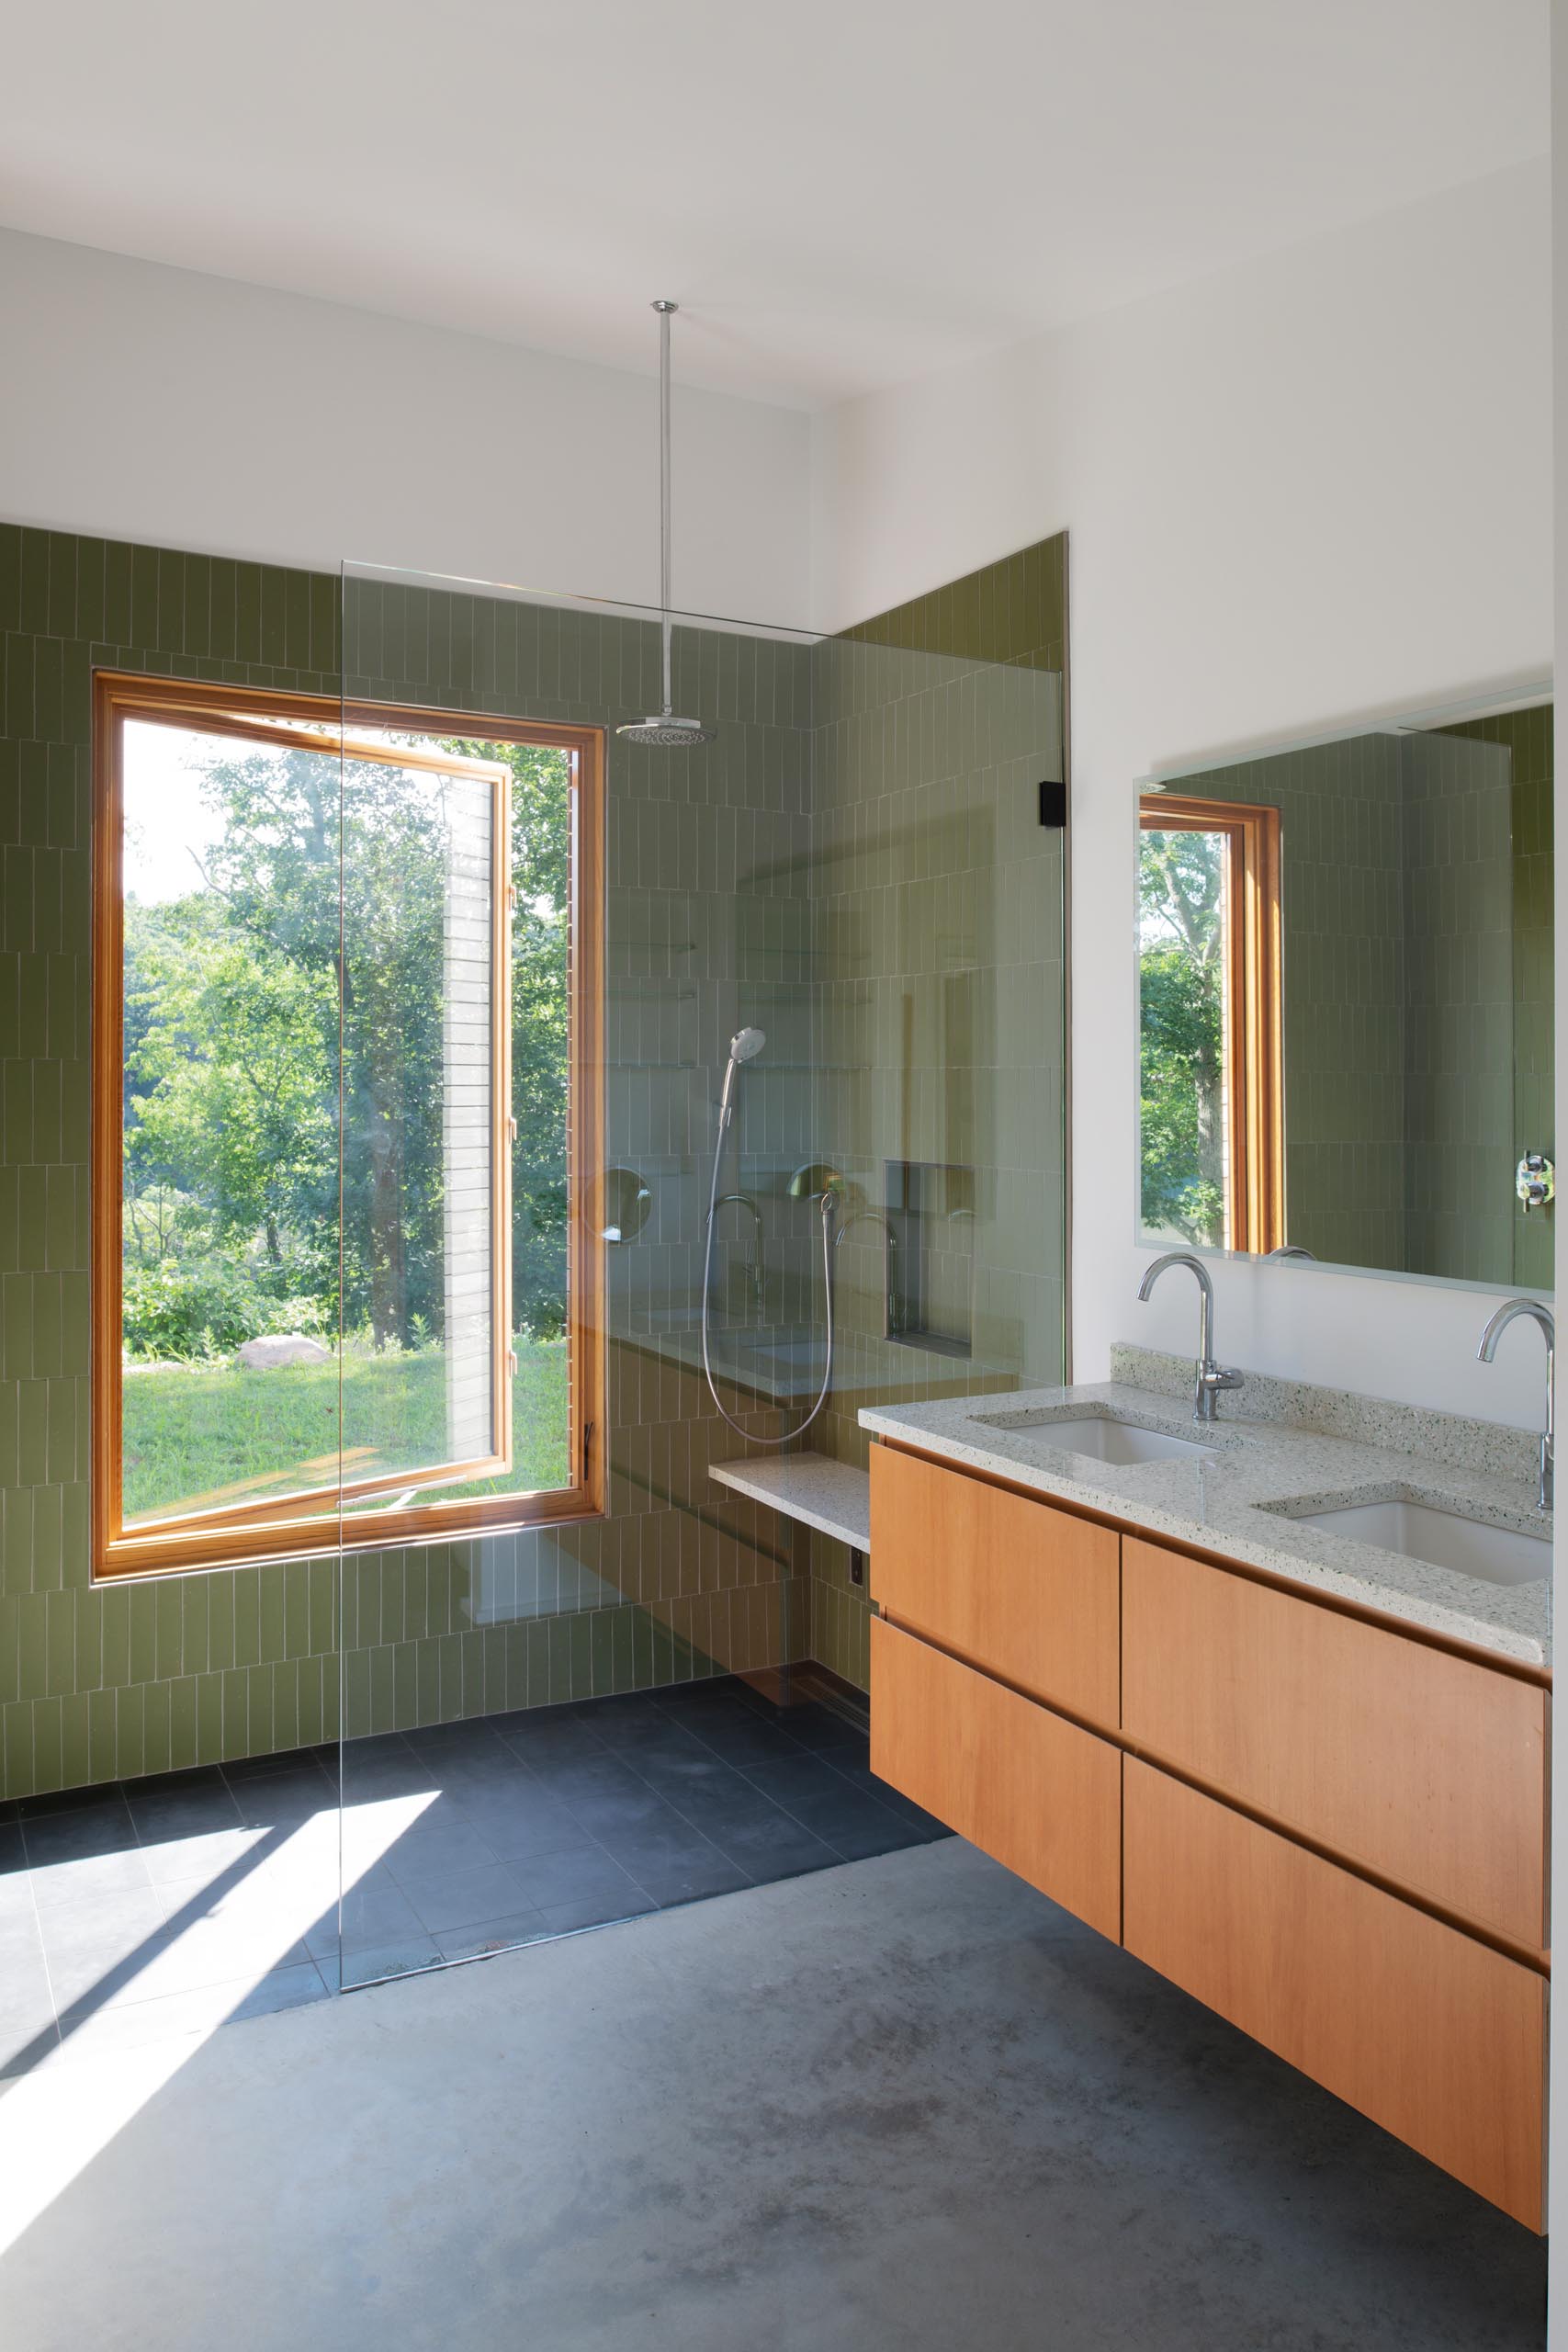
236	1535
1255	1058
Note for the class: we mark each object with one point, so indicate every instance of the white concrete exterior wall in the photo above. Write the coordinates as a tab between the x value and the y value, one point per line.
1305	491
164	406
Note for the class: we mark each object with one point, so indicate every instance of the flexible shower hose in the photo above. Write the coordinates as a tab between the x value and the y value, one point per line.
826	1204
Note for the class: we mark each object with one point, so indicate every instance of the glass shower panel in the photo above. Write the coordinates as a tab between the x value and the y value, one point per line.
938	891
549	936
853	865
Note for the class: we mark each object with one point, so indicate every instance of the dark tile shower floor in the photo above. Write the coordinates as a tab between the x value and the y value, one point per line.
148	1910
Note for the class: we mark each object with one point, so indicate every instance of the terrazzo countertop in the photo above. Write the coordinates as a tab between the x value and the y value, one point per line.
1256	1468
832	1496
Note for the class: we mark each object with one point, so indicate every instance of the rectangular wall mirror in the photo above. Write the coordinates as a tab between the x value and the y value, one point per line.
1345	974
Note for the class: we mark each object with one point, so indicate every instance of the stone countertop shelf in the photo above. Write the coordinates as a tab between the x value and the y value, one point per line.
1279	1448
831	1496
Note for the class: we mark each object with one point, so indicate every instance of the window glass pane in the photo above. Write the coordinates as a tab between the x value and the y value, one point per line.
456	1026
1183	950
230	1263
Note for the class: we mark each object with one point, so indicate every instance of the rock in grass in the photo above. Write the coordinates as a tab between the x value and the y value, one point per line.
281	1347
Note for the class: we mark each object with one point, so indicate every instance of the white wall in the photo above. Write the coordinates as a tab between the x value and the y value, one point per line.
162	405
1557	2131
1300	492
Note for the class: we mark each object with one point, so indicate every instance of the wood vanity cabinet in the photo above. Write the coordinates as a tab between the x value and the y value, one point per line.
1025	1593
1435	2036
1030	1788
1329	1831
1424	1768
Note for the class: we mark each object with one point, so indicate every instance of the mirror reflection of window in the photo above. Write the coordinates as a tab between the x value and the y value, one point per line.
1209	1055
1408	956
1182	966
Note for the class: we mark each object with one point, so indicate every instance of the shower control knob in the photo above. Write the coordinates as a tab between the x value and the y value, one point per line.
1535	1181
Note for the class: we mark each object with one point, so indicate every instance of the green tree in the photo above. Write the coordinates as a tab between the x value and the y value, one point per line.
1181	880
231	1088
338	867
314	958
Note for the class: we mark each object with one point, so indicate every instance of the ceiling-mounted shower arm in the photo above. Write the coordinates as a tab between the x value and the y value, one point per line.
666	310
662	727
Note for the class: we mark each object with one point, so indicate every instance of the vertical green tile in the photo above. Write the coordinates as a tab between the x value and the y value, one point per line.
285	1704
130	1729
182	1724
156	1731
271	1591
209	1747
236	1690
48	1759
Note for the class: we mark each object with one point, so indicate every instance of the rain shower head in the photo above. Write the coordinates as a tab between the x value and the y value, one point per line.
666	729
662	729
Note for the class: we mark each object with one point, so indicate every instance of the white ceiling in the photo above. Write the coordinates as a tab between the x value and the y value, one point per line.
840	193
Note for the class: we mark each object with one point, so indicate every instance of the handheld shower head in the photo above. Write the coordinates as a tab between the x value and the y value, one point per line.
742	1047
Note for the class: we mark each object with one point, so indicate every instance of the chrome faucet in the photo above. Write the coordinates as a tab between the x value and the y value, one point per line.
754	1252
1208	1378
875	1216
1510	1310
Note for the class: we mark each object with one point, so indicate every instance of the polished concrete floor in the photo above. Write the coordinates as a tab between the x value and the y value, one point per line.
147	1910
900	2106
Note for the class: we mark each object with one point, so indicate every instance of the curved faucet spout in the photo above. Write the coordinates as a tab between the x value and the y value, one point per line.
1209	1379
1195	1267
1177	1258
1509	1312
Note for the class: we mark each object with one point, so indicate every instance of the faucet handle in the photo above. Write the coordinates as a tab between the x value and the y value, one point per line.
1211	1379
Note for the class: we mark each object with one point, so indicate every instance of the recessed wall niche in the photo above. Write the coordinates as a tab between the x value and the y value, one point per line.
930	1266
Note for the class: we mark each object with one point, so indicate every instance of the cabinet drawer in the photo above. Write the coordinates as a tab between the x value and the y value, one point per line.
1023	1591
1438	2037
1032	1791
1422	1766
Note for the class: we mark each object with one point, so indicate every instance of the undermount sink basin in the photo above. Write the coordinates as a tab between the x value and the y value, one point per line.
1107	1441
1442	1538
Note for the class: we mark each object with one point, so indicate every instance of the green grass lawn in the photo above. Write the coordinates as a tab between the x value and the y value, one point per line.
213	1434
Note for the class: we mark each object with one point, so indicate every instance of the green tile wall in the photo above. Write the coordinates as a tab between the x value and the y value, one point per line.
1459	1014
938	899
679	1578
858	840
1528	737
1012	611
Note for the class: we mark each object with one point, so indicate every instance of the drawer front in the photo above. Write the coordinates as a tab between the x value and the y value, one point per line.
1011	1585
1424	1767
1033	1792
1438	2037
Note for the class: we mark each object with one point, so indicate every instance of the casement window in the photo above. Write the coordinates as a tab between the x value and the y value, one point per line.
346	1091
1211	1087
